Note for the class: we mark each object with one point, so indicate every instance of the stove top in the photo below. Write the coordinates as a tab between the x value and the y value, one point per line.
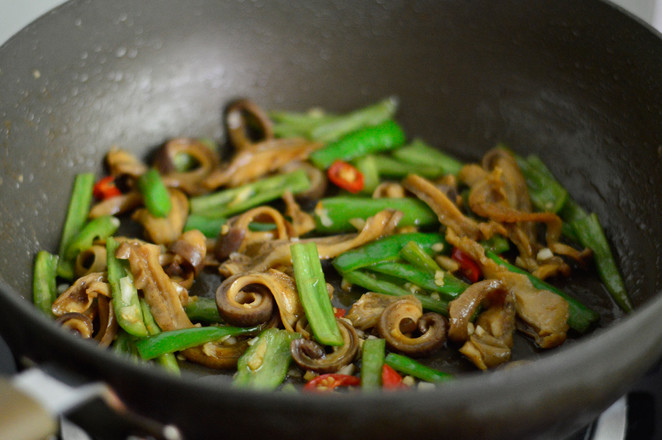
636	416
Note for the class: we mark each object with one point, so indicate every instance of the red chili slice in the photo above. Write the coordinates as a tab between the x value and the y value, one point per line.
331	381
346	176
105	188
391	379
468	267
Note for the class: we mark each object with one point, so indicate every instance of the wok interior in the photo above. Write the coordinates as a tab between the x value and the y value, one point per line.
543	77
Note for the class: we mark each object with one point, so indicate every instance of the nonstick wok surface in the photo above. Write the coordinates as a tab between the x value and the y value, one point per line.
577	84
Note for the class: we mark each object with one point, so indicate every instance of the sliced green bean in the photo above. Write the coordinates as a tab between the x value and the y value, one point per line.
372	361
383	137
392	167
449	286
176	340
420	153
414	253
201	309
580	318
264	365
368	167
336	214
79	206
592	236
544	190
497	244
313	293
210	227
407	365
231	201
98	228
374	283
44	284
372	115
126	303
155	194
167	360
387	249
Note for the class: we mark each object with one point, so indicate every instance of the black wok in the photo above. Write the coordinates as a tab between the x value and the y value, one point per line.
578	83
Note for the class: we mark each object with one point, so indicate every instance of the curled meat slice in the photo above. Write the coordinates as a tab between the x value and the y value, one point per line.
188	257
107	323
190	181
242	118
79	298
488	343
238	236
463	307
121	162
276	253
544	313
310	355
447	212
92	259
247	299
117	205
408	330
160	292
365	312
77	323
165	230
217	355
300	222
259	160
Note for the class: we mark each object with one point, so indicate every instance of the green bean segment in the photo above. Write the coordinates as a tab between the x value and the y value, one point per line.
177	340
79	206
44	283
264	365
314	294
373	352
406	365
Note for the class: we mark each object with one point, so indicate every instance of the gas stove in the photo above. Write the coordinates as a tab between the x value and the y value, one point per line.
636	416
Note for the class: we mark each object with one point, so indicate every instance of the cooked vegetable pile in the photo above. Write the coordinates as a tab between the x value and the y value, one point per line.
435	254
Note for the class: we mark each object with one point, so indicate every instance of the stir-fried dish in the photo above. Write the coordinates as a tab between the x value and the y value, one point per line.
321	249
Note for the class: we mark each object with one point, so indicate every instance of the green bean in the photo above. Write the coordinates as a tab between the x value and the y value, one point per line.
367	166
155	194
544	190
126	303
581	318
372	361
313	293
335	214
592	236
231	201
296	124
420	153
210	227
79	206
497	244
406	365
340	126
125	345
374	283
414	253
449	286
383	137
578	226
201	309
167	360
264	365
176	340
392	167
44	285
98	228
387	249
